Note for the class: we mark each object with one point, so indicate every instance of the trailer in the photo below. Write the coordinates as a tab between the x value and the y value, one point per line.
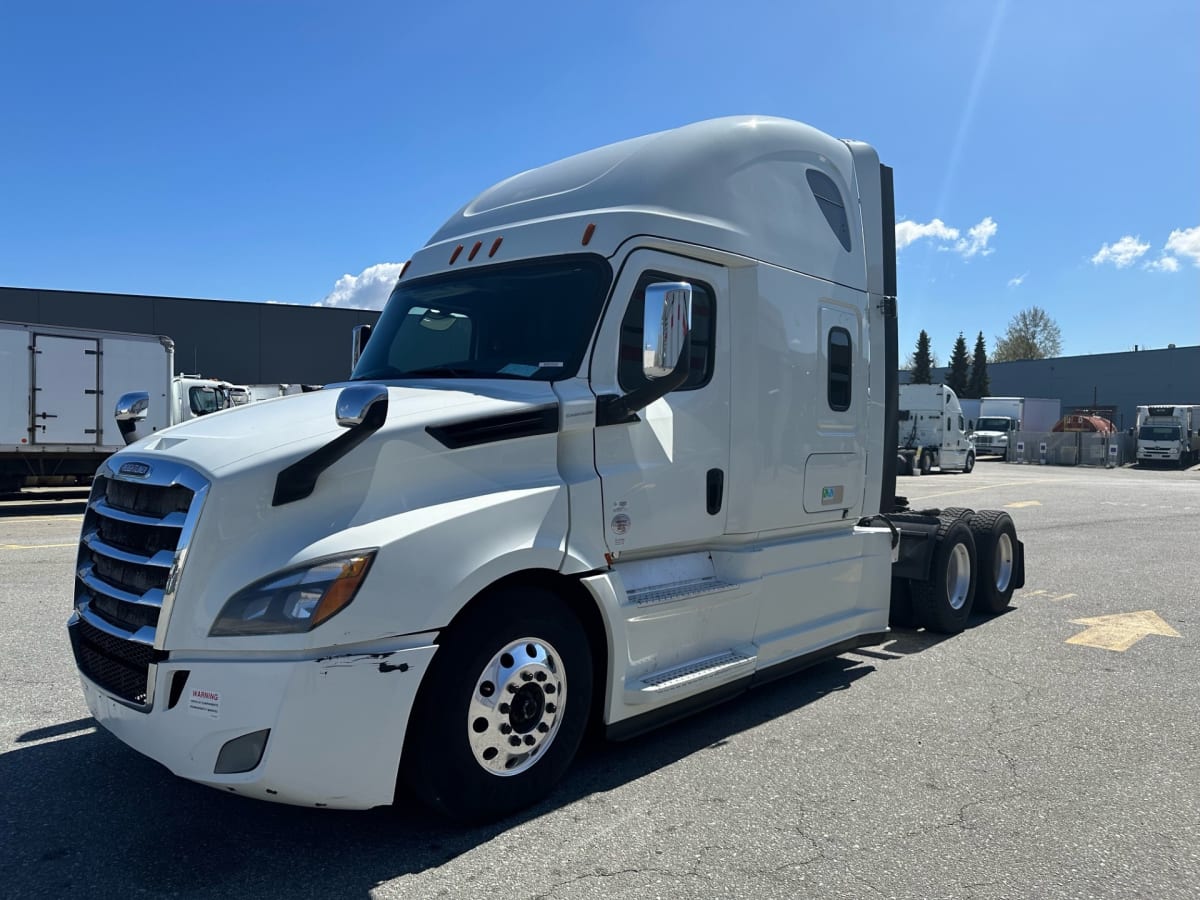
61	383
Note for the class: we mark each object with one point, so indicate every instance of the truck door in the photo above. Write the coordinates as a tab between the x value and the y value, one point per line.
66	390
665	476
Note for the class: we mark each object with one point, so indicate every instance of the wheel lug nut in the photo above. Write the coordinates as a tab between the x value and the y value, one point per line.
543	727
550	707
527	676
529	740
549	689
512	688
503	707
515	741
541	676
505	728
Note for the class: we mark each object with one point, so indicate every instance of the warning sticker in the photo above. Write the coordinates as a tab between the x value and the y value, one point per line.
204	703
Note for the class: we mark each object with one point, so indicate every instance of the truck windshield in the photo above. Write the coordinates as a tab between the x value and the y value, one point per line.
530	320
992	424
1158	433
204	400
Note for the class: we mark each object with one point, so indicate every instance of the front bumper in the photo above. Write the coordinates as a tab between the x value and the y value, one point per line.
336	722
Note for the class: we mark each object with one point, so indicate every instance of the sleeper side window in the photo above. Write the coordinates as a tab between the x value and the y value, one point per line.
829	199
840	369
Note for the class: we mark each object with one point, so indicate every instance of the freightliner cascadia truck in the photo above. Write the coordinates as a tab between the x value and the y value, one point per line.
622	445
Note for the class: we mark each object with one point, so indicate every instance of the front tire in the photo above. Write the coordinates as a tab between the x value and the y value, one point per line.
926	464
969	464
502	709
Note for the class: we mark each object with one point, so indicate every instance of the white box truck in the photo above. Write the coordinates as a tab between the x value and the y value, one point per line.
1168	433
185	397
933	431
61	384
1002	417
620	446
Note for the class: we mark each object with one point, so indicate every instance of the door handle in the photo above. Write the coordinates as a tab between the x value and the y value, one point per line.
715	491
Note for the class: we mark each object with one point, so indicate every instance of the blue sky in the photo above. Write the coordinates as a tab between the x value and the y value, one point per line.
1046	152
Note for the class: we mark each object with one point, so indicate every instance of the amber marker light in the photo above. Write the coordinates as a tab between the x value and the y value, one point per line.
343	589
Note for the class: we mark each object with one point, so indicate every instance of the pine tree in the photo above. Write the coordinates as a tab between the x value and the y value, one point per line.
921	360
960	366
979	384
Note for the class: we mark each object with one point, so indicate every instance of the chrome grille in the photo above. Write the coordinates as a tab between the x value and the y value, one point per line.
132	548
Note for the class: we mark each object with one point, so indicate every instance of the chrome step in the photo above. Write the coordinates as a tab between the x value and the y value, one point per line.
721	665
668	593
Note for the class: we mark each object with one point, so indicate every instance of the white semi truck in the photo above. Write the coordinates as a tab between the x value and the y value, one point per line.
933	431
1168	433
60	385
1002	417
621	446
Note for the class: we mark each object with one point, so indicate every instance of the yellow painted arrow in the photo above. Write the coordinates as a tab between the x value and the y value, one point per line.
1121	631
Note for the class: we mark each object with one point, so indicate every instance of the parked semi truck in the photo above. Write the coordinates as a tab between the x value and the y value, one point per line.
1168	433
933	431
61	384
1002	417
619	447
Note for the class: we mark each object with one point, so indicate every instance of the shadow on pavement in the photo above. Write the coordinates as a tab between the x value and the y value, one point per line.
88	816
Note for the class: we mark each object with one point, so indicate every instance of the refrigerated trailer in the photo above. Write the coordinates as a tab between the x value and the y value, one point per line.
622	445
1168	433
61	383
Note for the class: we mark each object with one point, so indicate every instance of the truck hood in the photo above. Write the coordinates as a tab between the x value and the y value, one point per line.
289	426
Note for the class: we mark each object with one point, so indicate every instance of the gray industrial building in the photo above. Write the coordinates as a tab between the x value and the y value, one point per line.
246	343
265	343
1117	381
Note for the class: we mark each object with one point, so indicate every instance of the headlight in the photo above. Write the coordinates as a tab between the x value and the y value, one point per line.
295	600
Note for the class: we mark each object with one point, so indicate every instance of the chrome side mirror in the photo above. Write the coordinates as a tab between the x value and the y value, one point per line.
355	403
130	410
358	342
132	406
666	327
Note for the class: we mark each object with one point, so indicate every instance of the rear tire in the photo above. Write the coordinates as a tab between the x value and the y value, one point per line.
996	549
943	603
502	709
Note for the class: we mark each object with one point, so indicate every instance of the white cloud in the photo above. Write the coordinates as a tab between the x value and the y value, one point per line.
908	232
977	239
367	290
1185	242
1018	281
1123	253
948	238
1163	264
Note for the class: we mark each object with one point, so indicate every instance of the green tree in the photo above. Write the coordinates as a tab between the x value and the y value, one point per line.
1031	334
922	360
960	367
979	385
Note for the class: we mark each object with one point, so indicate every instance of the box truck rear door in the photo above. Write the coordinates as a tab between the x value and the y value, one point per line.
66	376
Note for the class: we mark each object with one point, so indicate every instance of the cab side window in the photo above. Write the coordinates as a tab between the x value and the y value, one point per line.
704	320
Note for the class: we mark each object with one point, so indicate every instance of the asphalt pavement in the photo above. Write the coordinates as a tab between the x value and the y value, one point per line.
1050	752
